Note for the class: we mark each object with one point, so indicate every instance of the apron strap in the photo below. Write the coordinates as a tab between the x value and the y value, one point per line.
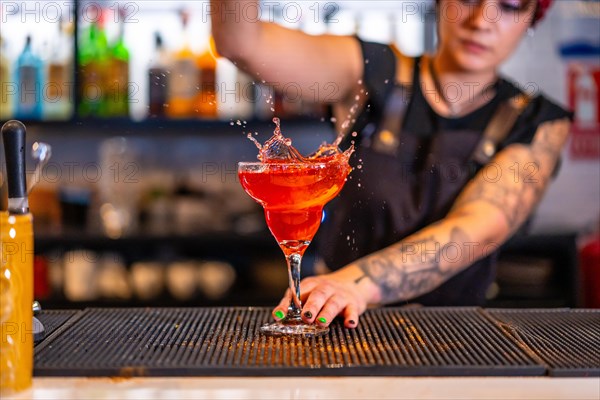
387	138
499	127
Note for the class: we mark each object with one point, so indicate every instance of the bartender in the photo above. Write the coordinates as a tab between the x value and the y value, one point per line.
451	158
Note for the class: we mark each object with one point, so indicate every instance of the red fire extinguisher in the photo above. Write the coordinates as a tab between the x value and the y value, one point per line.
589	258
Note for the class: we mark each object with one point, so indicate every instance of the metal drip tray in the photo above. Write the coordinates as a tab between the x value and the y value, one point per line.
567	341
54	319
227	342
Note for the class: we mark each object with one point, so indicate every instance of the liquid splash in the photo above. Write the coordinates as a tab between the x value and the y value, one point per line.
279	149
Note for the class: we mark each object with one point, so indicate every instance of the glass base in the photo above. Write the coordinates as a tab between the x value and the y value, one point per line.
293	328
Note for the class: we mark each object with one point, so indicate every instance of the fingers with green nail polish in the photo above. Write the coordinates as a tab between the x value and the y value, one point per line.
279	315
322	320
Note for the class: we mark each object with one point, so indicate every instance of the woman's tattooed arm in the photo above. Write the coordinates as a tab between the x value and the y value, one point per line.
488	211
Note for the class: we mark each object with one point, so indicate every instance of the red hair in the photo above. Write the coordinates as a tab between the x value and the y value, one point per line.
540	10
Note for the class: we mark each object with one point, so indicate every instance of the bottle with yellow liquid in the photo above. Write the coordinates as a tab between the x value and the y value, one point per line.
183	80
206	100
16	269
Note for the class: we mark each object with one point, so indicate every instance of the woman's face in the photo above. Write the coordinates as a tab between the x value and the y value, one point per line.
480	34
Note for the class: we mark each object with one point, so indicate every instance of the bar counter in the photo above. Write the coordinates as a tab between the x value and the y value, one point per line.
394	353
363	388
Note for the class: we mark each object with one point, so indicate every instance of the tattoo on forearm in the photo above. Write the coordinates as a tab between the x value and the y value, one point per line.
412	268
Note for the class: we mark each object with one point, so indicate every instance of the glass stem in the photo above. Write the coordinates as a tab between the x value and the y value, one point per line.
294	261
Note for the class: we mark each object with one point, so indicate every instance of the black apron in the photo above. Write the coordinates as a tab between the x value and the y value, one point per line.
407	174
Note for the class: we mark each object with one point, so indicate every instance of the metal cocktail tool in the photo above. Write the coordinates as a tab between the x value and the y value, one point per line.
41	153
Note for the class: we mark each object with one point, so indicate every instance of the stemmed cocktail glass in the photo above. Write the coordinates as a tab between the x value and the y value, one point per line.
293	196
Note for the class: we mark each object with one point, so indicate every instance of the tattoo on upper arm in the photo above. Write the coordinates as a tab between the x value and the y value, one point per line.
547	142
412	268
545	151
505	195
517	197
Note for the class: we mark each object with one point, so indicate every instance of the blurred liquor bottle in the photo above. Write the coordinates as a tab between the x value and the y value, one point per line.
234	92
158	79
93	60
7	86
183	81
206	101
59	88
117	84
29	76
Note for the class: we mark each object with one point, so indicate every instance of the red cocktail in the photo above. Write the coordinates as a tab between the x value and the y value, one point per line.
293	191
293	196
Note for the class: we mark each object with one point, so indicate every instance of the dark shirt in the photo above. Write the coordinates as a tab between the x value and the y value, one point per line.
394	195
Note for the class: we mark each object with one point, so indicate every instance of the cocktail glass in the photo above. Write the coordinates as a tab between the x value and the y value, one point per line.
293	196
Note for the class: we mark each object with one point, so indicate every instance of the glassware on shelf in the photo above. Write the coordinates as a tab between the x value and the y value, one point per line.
119	186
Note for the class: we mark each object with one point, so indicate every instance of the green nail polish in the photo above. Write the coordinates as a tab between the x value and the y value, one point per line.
279	314
322	320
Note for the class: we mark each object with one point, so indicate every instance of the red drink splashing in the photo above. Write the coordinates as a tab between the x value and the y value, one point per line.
293	189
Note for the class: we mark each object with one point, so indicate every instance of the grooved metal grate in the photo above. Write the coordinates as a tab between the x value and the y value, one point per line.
54	319
226	342
568	341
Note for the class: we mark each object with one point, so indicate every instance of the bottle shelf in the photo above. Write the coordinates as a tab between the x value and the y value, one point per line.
106	60
128	35
102	127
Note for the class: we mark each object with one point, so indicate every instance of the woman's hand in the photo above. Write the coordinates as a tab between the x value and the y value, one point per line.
326	296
